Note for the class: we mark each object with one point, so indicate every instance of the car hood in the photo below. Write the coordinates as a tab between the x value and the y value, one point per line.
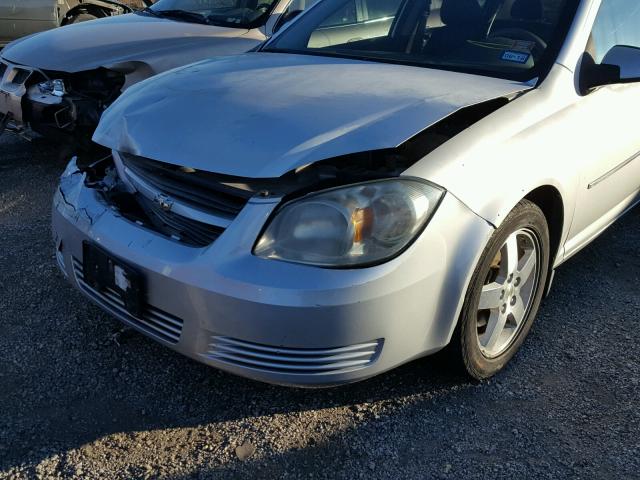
265	114
160	42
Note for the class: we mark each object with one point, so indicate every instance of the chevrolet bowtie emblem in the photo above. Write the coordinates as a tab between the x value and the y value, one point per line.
164	202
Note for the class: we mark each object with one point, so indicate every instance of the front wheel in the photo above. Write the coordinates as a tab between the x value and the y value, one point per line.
505	292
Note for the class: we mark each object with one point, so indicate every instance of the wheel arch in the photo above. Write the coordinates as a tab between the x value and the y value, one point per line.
549	199
553	205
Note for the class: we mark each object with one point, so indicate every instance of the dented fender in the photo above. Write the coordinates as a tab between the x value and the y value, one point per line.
69	198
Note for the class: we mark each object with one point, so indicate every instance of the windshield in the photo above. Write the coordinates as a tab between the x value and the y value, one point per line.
227	13
515	39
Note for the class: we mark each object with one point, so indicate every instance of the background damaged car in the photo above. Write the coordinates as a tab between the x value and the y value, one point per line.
19	18
59	82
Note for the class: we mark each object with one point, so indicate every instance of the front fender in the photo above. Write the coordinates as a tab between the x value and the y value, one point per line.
495	163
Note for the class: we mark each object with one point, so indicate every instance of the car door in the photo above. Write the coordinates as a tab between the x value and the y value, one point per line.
605	124
24	17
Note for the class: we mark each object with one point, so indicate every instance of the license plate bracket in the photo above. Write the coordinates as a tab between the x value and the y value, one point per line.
102	272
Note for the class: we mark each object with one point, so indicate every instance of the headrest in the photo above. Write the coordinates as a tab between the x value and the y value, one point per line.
531	10
461	12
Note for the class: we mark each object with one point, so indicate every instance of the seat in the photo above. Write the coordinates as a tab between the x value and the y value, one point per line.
463	20
527	10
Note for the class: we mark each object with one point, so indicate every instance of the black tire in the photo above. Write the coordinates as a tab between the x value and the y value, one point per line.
526	215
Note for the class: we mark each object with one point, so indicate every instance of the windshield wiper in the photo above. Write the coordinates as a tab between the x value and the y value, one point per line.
179	15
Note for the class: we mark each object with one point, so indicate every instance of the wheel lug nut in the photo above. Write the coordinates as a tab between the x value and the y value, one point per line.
502	295
513	300
517	281
504	308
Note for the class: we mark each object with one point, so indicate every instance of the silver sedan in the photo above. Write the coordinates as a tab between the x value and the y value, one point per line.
356	195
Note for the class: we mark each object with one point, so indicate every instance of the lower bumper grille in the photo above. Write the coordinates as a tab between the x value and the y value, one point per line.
155	322
298	361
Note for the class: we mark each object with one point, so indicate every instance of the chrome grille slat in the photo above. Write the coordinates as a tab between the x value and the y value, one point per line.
223	349
217	340
121	308
202	190
155	313
153	321
297	361
190	231
292	368
115	298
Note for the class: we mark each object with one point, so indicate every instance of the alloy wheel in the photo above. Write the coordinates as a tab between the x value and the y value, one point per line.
508	292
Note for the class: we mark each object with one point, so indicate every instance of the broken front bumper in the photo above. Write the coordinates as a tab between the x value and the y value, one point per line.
13	79
24	105
274	321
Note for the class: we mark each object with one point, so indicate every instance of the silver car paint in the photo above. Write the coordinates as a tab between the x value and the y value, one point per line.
159	44
549	136
139	46
556	136
379	105
19	18
27	16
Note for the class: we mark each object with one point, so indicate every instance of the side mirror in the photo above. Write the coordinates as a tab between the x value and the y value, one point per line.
621	64
286	18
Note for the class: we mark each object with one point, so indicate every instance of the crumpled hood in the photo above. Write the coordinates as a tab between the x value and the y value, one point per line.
161	43
264	114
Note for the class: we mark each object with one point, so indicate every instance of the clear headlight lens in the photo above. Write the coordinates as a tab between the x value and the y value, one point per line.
350	226
53	87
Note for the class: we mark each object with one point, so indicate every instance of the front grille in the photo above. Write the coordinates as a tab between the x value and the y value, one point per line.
183	229
208	192
297	361
154	322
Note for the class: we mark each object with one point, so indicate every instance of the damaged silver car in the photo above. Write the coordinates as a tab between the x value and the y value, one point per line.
352	196
58	83
19	18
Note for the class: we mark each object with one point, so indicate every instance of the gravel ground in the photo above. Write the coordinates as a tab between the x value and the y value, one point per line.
81	397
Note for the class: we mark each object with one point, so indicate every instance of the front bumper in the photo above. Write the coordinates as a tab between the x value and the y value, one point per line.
25	109
13	79
274	321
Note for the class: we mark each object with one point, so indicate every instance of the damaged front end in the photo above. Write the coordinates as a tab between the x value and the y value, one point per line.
194	207
63	106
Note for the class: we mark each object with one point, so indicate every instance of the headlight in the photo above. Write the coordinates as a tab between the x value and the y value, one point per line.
53	87
350	226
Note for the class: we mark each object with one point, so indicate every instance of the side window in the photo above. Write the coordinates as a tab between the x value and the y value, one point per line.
617	23
362	11
380	9
347	14
296	5
292	11
356	21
